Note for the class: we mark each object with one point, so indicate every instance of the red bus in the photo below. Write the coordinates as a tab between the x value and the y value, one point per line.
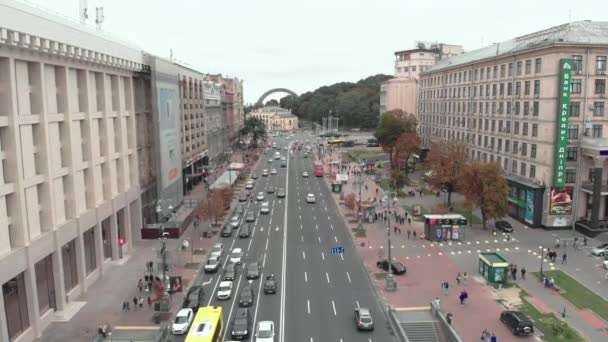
318	165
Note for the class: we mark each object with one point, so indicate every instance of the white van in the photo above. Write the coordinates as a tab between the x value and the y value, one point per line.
277	155
265	208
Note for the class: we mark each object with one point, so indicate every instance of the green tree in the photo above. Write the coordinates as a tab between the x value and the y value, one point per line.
255	129
485	187
272	102
392	124
446	161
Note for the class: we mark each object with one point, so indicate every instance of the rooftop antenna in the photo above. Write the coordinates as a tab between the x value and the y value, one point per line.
99	17
83	11
171	55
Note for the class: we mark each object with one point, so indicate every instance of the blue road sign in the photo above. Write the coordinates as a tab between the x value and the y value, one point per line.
337	250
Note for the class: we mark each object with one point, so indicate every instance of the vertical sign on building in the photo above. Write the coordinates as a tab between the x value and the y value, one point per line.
563	112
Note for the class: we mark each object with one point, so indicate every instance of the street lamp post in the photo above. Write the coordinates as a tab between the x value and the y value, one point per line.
360	180
542	256
390	285
163	240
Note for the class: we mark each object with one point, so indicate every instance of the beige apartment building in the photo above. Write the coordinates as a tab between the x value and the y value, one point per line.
69	193
505	101
276	118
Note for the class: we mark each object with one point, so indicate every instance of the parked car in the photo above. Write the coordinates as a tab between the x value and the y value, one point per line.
504	226
246	296
253	270
229	272
218	248
182	321
517	322
363	319
396	266
195	298
600	250
245	231
241	324
270	284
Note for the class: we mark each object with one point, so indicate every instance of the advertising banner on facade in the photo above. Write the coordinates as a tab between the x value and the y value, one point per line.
561	145
529	207
170	152
561	201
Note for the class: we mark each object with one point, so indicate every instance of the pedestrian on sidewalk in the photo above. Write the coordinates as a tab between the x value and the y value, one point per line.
409	222
523	273
446	287
125	305
437	303
465	278
448	318
458	277
141	302
395	230
149	302
564	260
409	232
414	235
585	241
514	272
135	303
557	243
140	285
461	297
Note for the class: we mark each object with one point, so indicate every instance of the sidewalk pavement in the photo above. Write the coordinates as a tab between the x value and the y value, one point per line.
104	299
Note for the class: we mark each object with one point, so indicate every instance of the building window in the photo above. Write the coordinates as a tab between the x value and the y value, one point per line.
517	106
514	167
525	129
495	73
524	149
535	108
15	304
516	128
90	259
600	86
509	107
518	72
570	176
576	86
537	65
577	64
537	87
45	284
494	89
600	63
517	88
598	108
532	171
509	88
534	130
526	108
597	131
571	154
522	170
575	109
502	70
572	131
527	88
532	151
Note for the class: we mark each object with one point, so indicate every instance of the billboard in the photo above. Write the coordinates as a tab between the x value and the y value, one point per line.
529	218
560	202
170	152
563	113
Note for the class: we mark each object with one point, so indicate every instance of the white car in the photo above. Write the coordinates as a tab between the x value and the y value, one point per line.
260	196
236	256
235	221
265	173
606	264
265	332
249	185
305	174
310	198
600	250
273	171
265	209
182	321
225	290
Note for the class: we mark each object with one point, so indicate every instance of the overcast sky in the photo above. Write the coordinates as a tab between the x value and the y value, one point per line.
302	45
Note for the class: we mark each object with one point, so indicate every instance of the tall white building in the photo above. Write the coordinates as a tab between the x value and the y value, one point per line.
69	192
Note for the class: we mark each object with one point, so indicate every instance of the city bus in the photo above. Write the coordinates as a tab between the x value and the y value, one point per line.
318	166
208	325
335	142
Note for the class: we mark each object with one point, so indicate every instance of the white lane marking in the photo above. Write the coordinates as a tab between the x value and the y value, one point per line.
300	226
308	306
311	340
303	255
332	226
305	276
333	305
327	276
348	276
358	306
342	257
323	255
257	302
314	217
317	226
249	246
266	248
238	285
328	218
284	261
336	238
326	210
319	239
300	217
302	238
264	261
277	229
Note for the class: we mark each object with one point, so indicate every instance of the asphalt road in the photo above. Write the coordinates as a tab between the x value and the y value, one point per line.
317	291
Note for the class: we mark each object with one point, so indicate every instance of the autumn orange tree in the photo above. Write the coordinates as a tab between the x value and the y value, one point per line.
216	205
485	187
406	145
445	162
391	125
350	201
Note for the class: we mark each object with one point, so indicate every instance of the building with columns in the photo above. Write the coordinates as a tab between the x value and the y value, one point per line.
534	104
276	118
69	188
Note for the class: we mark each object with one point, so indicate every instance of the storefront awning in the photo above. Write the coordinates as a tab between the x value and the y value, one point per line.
226	179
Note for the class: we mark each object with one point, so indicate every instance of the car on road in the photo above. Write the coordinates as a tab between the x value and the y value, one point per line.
226	231
235	221
517	322
249	185
253	270
273	171
246	296
265	332
281	193
260	196
195	298
270	160
305	174
270	189
601	250
310	198
265	208
241	324
277	155
396	266
245	231
213	264
218	249
243	197
250	216
363	319
504	226
236	256
270	284
225	290
254	176
265	173
182	321
229	272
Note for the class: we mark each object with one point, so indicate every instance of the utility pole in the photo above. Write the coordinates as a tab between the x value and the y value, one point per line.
360	179
390	285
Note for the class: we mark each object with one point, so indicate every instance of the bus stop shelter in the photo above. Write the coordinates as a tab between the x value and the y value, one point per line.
226	179
493	267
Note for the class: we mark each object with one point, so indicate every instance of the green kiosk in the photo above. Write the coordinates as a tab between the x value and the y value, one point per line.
493	267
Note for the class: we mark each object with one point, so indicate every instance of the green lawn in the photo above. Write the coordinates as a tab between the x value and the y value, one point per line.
577	294
553	329
366	153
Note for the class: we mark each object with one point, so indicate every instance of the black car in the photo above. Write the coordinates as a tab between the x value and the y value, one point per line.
241	325
281	193
270	189
243	197
245	231
246	296
194	298
270	284
254	176
226	231
504	226
517	322
253	270
230	271
396	266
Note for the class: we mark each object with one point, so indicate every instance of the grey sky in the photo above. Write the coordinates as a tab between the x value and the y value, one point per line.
302	45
